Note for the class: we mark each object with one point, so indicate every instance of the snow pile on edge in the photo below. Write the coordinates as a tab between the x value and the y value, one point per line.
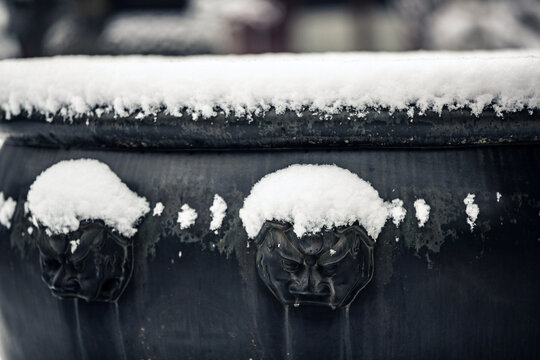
244	86
312	197
84	189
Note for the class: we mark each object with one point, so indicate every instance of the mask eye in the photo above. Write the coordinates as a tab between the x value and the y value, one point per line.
289	265
50	264
79	266
329	270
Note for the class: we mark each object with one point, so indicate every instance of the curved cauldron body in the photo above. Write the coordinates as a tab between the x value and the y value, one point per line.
440	290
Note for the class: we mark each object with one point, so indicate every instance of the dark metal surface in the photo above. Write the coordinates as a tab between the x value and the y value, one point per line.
440	291
343	130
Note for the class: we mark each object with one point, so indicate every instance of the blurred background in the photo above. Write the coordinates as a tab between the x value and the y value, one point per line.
183	27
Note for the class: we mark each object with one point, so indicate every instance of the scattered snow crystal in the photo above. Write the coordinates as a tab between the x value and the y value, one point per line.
248	85
422	211
397	211
158	209
499	196
218	209
312	197
84	189
186	216
7	208
472	210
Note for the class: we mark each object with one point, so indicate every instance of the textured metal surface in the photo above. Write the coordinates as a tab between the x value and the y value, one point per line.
343	130
441	291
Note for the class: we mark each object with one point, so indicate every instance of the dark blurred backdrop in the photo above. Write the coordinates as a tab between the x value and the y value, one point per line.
182	27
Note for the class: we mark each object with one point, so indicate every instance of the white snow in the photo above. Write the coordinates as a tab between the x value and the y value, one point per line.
7	208
84	189
332	252
30	230
250	85
312	197
472	210
74	245
158	209
217	210
179	254
397	211
499	196
422	211
186	216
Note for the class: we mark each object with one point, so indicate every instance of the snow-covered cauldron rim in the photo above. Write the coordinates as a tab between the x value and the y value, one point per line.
203	87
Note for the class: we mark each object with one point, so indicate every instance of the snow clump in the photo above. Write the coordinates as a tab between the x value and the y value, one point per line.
85	189
7	208
397	211
217	210
312	197
186	216
158	209
422	211
472	210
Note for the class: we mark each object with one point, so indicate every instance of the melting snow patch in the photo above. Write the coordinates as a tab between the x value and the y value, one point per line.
472	210
217	210
74	245
186	216
84	189
7	208
312	197
499	196
422	211
158	209
397	211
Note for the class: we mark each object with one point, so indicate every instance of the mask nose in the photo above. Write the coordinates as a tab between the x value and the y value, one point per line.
64	281
309	282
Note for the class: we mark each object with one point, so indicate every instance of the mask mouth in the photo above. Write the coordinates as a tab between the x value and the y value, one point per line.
312	300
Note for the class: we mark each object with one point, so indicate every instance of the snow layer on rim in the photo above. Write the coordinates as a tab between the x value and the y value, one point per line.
7	208
312	197
218	211
84	189
422	211
186	216
250	85
472	210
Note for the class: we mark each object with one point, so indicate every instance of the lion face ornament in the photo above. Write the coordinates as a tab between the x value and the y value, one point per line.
326	269
92	263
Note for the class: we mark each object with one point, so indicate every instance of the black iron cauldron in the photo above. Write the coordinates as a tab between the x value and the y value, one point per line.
443	290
